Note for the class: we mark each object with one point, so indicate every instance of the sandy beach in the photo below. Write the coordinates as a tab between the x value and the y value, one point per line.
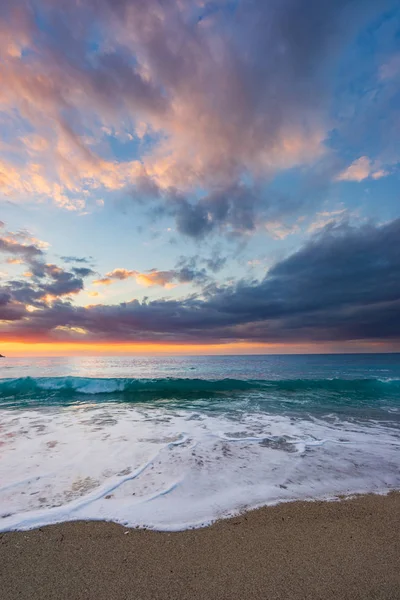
302	550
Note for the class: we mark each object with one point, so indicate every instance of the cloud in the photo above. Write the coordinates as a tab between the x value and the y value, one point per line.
75	259
103	281
343	284
391	68
10	310
187	273
361	169
329	218
215	263
233	96
198	265
48	281
121	274
12	243
156	278
83	271
234	208
280	231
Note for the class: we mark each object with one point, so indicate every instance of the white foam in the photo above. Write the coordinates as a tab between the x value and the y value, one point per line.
171	470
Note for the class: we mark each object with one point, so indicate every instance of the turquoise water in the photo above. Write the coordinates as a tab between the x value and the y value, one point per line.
366	385
171	442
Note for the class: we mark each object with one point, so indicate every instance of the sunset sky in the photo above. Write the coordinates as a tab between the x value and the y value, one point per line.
199	177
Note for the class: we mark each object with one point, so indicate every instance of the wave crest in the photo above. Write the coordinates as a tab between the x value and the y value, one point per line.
131	389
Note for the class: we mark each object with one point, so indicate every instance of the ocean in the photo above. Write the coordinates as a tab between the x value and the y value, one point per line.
175	442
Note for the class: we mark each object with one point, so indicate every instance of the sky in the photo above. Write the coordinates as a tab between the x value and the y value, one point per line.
183	176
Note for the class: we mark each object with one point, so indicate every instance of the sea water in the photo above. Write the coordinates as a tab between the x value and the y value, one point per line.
176	442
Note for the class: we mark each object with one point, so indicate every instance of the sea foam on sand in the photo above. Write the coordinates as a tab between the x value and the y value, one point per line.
172	469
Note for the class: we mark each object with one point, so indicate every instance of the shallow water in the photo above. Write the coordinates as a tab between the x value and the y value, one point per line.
174	442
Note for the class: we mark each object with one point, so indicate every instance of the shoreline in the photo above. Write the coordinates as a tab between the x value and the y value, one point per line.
349	548
207	523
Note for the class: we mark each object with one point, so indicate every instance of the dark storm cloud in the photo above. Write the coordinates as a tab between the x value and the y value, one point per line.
344	284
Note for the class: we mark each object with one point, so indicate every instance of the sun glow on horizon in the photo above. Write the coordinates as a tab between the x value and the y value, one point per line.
19	349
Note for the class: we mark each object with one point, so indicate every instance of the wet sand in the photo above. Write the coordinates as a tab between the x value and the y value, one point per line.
303	550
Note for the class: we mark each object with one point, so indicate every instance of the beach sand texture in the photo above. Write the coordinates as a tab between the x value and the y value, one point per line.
303	550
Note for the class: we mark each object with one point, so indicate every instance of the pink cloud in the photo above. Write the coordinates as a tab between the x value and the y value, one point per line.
219	113
361	169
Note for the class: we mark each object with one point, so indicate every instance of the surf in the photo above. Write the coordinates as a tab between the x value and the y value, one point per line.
25	386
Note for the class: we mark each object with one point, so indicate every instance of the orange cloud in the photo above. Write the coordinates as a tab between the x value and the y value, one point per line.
14	261
150	278
103	281
153	278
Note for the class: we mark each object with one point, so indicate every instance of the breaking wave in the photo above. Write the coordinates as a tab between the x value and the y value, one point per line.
318	393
